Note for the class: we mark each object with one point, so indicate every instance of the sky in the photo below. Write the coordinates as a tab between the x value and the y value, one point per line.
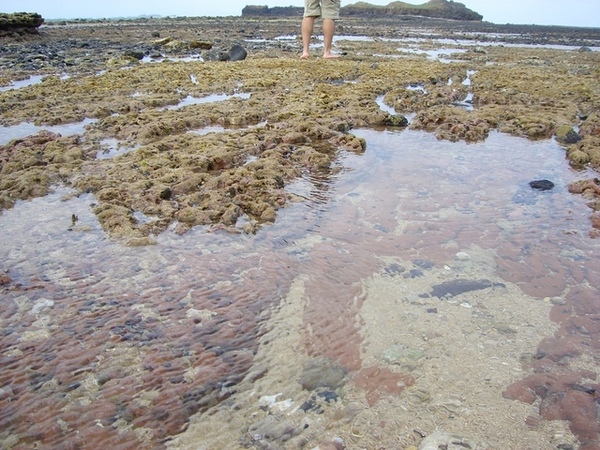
584	13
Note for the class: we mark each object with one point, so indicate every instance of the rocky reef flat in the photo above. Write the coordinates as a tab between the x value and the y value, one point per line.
127	78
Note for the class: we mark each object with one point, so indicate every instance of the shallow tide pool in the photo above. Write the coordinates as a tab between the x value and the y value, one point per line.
418	281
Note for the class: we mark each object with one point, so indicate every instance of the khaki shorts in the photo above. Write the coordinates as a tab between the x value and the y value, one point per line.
326	9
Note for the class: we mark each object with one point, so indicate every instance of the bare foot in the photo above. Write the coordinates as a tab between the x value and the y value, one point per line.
330	56
305	56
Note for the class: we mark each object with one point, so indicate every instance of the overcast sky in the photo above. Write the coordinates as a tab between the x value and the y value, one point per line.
541	12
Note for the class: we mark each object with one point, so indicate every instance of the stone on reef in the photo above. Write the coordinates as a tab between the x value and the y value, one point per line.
565	134
231	215
134	54
586	151
163	41
177	45
202	45
268	215
582	186
578	157
541	185
237	53
140	242
396	120
460	286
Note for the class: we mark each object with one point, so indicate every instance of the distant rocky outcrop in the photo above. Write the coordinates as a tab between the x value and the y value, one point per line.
276	11
20	21
438	9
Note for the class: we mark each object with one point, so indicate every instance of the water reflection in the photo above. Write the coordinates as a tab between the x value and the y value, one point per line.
25	129
111	147
32	80
213	98
120	346
437	54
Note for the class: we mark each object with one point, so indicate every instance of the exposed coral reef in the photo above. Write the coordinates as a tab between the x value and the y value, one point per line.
298	117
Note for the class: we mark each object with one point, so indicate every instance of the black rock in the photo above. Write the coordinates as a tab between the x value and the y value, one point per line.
460	286
237	53
572	137
396	120
541	185
134	54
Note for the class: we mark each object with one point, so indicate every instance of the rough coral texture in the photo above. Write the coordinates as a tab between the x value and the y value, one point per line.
21	20
296	116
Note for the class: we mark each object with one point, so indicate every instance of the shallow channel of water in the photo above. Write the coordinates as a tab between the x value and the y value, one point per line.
109	345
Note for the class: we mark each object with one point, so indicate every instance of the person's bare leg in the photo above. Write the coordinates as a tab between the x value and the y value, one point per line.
308	24
328	30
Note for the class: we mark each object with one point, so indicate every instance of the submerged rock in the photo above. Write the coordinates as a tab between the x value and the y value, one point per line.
542	185
318	400
237	53
396	120
567	135
456	287
270	432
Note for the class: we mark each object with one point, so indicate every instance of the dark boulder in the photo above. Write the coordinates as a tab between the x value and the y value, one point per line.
237	53
456	287
542	185
396	120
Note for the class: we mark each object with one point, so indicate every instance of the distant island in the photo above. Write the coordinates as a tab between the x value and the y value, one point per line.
439	9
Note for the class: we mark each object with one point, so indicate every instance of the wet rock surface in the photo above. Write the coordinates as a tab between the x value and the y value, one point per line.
460	286
542	185
87	61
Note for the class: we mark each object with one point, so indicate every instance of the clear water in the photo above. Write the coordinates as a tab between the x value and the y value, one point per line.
25	129
101	342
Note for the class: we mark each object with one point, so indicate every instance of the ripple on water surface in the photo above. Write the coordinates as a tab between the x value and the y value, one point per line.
111	345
